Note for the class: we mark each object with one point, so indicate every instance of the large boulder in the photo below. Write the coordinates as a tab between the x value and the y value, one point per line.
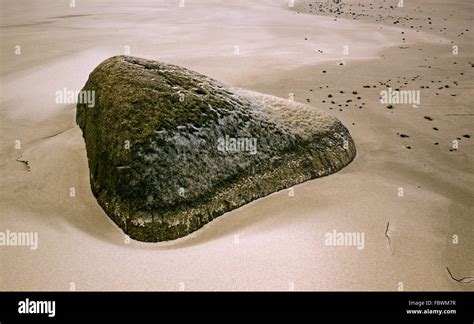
170	149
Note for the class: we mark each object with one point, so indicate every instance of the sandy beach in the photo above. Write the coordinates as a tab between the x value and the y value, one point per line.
409	190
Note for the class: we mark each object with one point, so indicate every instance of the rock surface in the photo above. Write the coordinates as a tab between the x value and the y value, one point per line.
170	149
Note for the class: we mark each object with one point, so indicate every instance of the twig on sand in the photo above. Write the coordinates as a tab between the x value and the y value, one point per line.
388	238
26	162
461	280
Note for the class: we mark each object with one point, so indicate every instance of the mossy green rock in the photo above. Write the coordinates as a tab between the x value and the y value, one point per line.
170	149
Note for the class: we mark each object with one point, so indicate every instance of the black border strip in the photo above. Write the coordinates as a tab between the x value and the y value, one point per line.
120	305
